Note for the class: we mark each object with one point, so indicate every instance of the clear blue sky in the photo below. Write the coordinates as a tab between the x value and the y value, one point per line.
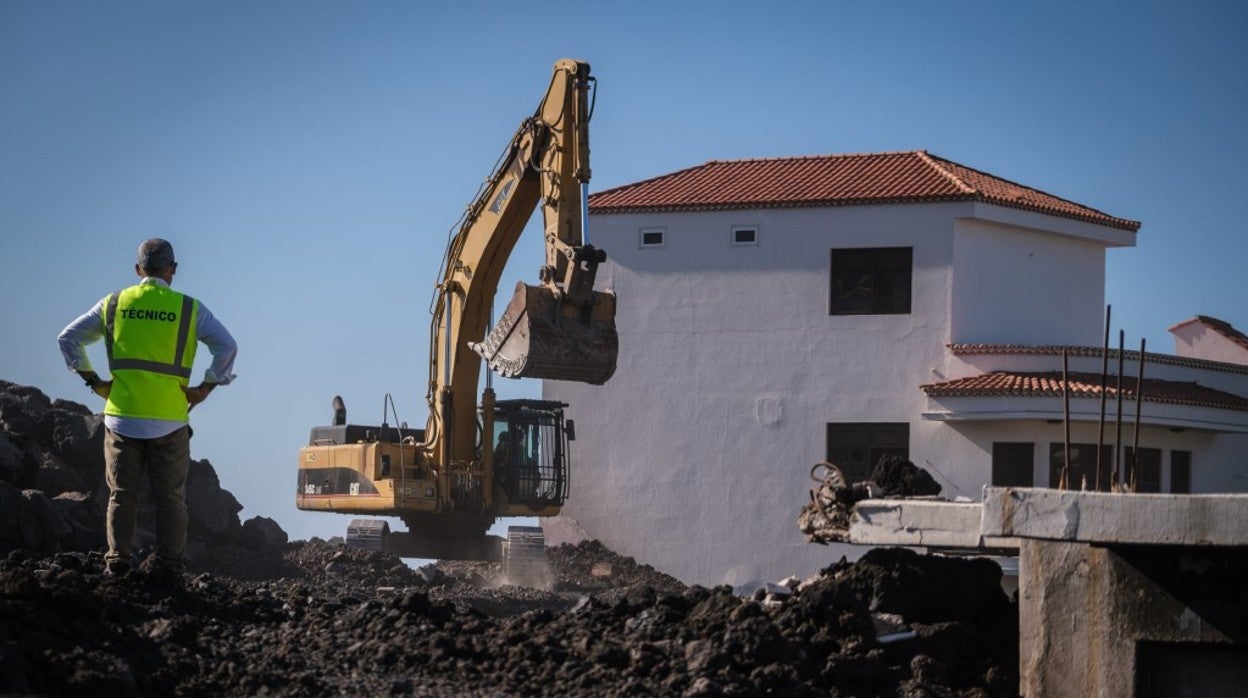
307	158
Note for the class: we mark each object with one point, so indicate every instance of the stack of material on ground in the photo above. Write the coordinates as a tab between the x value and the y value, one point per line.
826	517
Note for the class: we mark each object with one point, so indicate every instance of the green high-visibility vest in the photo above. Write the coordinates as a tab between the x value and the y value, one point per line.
149	336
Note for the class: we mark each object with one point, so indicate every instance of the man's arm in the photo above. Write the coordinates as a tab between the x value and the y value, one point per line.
223	348
87	329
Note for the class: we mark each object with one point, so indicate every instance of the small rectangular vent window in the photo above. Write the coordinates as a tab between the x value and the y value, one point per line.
652	237
745	236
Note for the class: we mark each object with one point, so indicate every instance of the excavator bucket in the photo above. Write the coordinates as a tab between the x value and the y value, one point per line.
539	336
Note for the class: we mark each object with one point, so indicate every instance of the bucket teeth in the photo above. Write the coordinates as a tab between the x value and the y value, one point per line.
540	337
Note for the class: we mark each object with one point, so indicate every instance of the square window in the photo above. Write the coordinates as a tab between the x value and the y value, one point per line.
871	281
652	237
855	447
745	236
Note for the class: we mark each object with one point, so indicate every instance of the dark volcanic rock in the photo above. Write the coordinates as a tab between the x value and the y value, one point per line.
83	521
24	410
262	532
12	516
78	441
54	449
334	620
259	616
210	509
899	477
53	478
12	461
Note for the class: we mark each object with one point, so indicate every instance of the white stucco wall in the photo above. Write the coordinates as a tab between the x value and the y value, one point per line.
695	456
1055	285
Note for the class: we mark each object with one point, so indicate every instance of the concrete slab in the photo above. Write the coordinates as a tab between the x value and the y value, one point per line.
924	523
1102	620
1105	518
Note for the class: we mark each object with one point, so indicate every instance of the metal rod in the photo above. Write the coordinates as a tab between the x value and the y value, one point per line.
489	374
446	356
1139	400
1100	428
584	213
1065	481
1118	479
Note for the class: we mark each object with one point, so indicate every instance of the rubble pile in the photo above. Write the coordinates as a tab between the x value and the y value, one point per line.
826	517
53	495
362	623
262	616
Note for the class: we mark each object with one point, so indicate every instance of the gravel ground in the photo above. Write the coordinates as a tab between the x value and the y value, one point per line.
313	618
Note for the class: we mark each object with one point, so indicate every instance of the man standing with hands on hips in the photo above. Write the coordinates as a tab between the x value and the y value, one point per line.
150	333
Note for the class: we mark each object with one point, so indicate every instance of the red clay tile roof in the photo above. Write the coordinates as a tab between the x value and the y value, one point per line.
1127	355
1049	384
835	180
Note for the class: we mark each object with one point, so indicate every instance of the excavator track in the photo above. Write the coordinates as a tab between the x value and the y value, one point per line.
367	534
524	557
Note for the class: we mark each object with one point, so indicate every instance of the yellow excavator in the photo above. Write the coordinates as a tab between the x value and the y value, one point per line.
474	462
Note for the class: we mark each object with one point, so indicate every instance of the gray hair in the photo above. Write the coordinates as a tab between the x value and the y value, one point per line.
155	254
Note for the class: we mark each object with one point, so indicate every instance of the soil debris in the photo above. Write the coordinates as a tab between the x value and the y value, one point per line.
257	615
342	621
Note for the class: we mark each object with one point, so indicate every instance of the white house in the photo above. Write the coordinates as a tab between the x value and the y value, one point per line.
775	313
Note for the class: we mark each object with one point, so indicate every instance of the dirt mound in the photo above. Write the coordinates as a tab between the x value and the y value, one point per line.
899	477
260	616
361	623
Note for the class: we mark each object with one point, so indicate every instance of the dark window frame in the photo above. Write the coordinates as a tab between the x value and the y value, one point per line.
643	233
871	281
1082	462
855	447
1148	477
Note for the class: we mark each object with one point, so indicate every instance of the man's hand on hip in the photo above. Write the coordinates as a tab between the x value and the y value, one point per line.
96	384
198	394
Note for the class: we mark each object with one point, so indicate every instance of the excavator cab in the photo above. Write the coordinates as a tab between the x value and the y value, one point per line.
530	443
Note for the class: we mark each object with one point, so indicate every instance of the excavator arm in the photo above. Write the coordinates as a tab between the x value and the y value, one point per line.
561	329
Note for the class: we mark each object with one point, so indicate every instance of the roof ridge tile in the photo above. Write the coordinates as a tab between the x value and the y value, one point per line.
951	176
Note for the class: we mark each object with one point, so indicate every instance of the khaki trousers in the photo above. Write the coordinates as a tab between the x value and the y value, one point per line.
166	460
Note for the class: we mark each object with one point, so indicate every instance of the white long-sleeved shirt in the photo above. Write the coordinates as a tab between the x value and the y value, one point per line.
90	327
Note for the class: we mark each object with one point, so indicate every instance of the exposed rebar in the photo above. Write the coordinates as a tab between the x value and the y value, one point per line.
1065	479
1100	429
1139	400
1118	475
